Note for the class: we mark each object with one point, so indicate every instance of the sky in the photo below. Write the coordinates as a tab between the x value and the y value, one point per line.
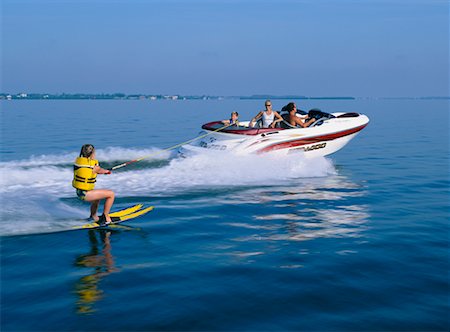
365	48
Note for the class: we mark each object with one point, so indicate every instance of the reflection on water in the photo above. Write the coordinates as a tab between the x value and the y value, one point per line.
315	208
101	261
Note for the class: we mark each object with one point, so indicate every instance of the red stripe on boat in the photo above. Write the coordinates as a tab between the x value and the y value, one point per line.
311	140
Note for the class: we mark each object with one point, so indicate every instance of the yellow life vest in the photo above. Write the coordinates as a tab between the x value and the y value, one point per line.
84	177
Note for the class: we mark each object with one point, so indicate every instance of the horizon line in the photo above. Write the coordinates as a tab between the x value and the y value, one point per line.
121	95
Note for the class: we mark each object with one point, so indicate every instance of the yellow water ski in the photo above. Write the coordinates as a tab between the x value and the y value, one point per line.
136	214
126	211
118	219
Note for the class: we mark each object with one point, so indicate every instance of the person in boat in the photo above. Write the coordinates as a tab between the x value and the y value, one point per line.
269	117
294	120
234	119
85	169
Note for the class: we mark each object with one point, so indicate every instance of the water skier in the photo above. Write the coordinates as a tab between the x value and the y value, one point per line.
85	169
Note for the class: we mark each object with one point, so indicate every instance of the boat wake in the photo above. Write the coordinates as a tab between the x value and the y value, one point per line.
36	193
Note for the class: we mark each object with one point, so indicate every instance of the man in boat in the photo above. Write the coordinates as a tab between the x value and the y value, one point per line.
294	120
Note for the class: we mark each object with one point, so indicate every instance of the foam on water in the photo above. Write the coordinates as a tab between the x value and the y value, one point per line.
32	189
108	154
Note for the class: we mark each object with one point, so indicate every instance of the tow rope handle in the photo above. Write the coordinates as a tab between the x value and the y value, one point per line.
167	149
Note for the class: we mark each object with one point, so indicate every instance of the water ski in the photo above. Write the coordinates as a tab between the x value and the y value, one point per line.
119	216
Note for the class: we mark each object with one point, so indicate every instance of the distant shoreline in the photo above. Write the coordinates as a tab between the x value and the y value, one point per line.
122	96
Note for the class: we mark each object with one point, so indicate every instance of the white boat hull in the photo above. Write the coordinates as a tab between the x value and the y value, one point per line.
322	140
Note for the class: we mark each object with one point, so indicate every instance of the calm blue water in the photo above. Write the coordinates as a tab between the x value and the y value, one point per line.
355	241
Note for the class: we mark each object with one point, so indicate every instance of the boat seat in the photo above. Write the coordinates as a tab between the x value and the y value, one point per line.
317	114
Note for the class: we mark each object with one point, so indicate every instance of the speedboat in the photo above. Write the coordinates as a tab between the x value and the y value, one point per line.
328	134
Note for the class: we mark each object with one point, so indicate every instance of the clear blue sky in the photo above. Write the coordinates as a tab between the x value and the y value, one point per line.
226	47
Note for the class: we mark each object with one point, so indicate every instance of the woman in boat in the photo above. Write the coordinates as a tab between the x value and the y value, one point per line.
268	117
294	120
85	170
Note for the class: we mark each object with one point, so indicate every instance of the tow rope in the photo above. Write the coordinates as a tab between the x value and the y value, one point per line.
167	149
